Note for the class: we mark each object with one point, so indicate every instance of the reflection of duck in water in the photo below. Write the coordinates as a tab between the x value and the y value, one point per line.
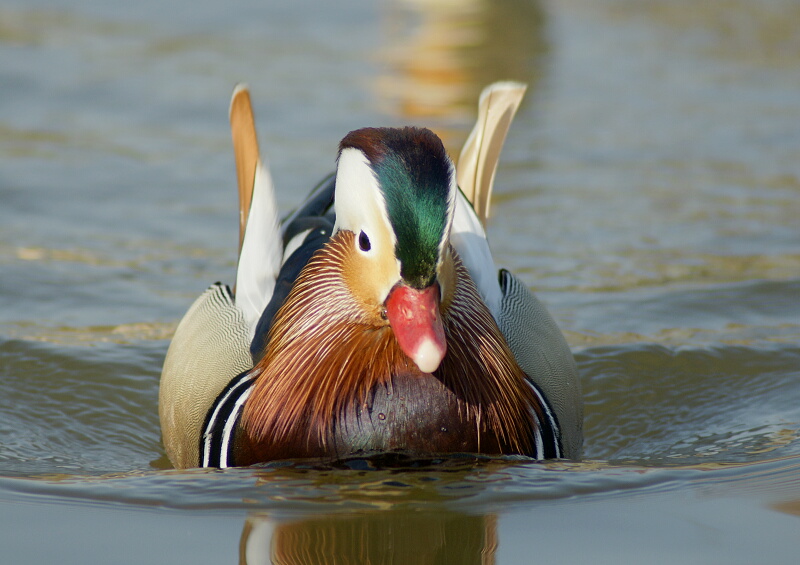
391	536
372	320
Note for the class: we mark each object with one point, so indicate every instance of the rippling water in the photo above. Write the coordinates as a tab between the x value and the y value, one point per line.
649	192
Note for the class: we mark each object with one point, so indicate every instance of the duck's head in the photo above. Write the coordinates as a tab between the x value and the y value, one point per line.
395	191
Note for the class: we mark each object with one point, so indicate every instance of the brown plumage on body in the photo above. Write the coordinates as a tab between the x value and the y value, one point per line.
334	380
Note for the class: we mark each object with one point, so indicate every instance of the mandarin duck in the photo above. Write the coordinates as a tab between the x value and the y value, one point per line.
372	319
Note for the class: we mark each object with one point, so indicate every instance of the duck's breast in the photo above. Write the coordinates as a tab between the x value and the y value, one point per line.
413	413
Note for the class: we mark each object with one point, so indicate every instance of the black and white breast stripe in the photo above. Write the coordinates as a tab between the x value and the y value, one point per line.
219	429
547	435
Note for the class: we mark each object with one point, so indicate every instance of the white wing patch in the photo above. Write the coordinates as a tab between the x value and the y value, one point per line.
469	240
262	251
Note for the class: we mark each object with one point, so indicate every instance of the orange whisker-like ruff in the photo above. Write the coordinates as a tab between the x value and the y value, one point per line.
326	354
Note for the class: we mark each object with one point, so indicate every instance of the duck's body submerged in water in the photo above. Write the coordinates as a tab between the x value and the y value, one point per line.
373	319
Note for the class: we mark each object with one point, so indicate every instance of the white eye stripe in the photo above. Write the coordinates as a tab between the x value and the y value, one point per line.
359	202
360	207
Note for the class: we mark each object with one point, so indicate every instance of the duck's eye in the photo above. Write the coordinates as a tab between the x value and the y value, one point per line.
363	242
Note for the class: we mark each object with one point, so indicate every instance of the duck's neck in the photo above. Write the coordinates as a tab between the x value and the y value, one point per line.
328	362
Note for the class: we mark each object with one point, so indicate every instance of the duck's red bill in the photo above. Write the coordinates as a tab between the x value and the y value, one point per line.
417	324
